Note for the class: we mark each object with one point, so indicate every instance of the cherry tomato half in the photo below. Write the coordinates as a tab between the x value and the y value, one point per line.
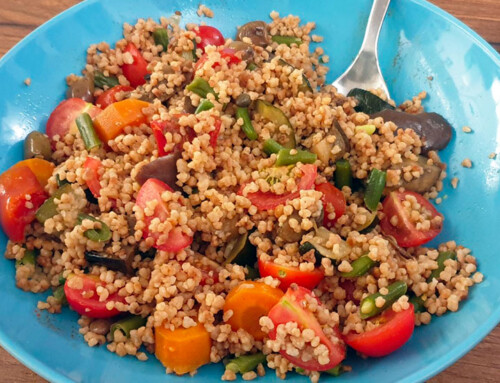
228	54
214	134
269	200
15	210
394	332
152	190
62	119
209	36
332	198
291	309
405	232
138	69
91	166
290	274
85	300
171	126
108	97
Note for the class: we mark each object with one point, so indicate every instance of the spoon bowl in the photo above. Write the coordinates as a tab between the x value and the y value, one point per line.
364	72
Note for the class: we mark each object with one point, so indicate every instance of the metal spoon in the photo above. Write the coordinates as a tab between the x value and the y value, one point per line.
364	71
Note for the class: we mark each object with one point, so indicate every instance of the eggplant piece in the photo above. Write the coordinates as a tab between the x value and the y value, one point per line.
319	240
274	114
288	234
432	128
240	251
117	264
188	107
82	88
368	102
307	247
163	169
37	144
240	46
306	85
256	31
370	224
423	183
323	149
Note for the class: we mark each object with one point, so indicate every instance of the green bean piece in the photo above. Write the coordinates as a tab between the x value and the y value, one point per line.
102	81
247	126
62	280
285	157
335	371
128	324
375	188
369	309
97	235
252	66
417	302
29	258
59	294
245	363
204	105
160	36
87	131
270	146
274	114
288	40
201	87
442	257
359	267
49	207
343	174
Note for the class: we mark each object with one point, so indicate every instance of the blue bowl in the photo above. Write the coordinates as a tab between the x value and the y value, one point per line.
417	41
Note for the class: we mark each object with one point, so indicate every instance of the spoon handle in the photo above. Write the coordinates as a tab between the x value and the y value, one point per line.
377	14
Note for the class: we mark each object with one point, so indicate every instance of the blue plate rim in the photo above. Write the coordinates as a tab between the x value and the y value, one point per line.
440	364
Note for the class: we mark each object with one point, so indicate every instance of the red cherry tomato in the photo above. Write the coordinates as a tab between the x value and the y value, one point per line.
227	54
136	71
394	332
85	300
289	274
152	190
209	270
332	197
158	128
405	232
108	97
92	178
171	126
291	309
62	119
209	36
15	210
269	200
214	134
